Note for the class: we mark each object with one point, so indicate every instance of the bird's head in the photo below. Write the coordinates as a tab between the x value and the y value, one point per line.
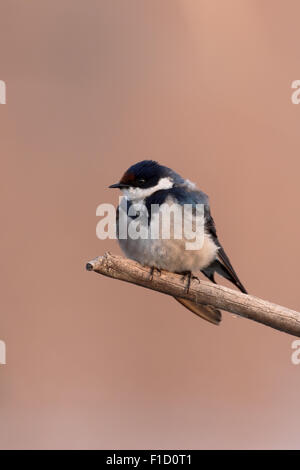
146	177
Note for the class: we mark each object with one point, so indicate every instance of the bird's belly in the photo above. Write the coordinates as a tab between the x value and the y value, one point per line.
170	255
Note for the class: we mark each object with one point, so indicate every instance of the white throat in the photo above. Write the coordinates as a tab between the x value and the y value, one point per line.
136	194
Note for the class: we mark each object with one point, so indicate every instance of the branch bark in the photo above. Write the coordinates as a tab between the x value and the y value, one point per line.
203	292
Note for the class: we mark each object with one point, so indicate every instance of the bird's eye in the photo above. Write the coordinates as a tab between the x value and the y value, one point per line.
141	181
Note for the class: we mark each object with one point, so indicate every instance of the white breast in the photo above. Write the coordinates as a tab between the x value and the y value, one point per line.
169	254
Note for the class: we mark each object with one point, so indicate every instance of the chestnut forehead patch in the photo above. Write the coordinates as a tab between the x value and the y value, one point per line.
127	178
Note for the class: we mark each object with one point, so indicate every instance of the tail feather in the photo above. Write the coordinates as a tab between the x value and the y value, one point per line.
224	270
207	312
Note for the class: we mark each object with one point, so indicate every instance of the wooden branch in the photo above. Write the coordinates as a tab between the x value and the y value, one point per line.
202	292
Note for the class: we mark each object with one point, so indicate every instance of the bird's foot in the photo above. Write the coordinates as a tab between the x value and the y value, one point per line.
189	275
152	271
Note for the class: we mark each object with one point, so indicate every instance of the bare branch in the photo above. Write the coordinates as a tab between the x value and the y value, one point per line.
202	292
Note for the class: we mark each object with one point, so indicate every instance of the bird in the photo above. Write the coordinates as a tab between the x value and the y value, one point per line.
150	184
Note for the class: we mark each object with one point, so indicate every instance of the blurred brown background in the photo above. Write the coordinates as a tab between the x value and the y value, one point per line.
203	86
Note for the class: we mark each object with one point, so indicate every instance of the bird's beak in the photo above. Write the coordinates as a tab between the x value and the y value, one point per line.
119	185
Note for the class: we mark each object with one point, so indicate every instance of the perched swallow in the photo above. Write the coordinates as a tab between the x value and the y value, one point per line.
150	183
